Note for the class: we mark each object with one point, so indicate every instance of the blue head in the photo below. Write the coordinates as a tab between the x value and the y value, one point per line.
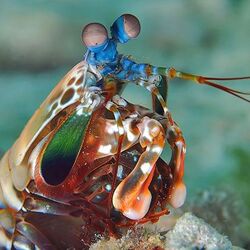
125	27
95	35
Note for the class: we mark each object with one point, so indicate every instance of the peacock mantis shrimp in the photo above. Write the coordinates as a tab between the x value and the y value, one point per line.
88	161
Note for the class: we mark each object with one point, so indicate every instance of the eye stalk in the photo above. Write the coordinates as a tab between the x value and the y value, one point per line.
95	37
125	27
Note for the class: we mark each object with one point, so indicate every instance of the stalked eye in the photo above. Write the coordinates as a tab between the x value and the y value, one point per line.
125	27
131	25
94	35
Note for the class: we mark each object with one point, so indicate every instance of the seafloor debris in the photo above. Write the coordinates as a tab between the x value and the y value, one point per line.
134	239
190	232
223	210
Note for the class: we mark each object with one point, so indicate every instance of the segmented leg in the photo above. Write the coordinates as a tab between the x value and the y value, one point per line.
38	205
10	195
113	108
146	135
20	242
34	235
111	128
9	236
178	146
162	86
5	239
41	218
132	196
152	88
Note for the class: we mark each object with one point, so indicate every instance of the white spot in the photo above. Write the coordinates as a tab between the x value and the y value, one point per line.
121	130
119	171
131	137
79	112
146	134
112	129
118	100
24	209
135	159
98	197
146	168
109	105
105	149
108	187
157	150
133	115
181	146
155	130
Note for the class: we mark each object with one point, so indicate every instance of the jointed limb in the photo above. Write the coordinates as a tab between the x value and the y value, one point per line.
132	196
178	146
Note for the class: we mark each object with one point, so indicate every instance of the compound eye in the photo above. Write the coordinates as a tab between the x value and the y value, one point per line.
94	35
131	25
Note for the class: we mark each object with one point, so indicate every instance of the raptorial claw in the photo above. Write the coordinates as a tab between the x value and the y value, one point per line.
178	195
177	143
132	196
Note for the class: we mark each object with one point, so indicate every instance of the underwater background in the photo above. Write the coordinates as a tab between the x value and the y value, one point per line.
40	42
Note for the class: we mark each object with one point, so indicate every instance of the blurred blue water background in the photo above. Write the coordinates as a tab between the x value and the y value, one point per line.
40	42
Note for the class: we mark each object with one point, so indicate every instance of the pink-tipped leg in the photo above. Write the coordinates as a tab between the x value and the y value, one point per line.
177	143
139	207
178	195
132	196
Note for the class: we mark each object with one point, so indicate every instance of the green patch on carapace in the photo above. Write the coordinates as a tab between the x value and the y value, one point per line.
63	149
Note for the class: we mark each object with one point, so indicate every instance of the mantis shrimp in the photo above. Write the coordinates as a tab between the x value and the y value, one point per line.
88	161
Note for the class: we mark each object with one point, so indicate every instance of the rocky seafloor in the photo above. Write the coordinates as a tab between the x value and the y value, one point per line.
189	232
216	221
